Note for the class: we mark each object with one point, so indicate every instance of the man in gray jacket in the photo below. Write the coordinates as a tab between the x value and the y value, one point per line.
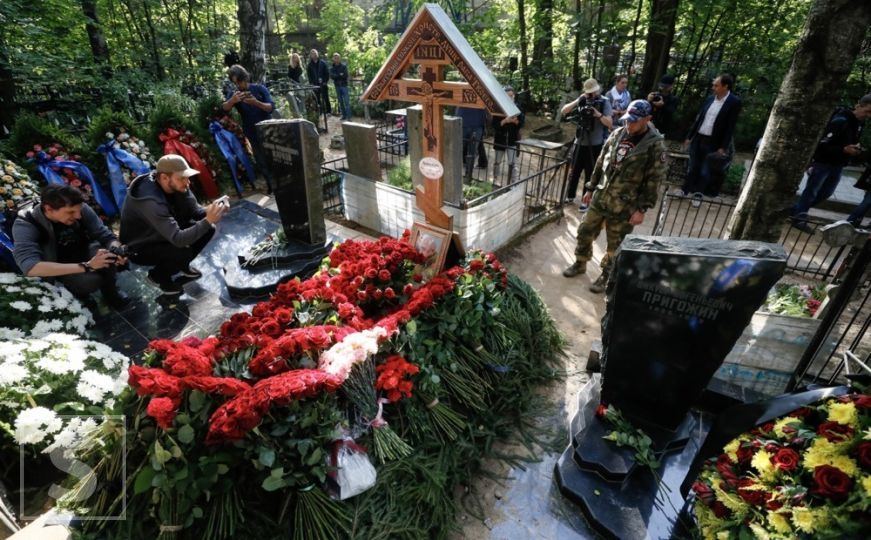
164	226
59	239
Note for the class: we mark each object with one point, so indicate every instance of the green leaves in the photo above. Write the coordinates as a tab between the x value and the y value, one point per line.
266	456
186	434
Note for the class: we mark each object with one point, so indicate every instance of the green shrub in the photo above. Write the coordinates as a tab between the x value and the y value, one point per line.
734	174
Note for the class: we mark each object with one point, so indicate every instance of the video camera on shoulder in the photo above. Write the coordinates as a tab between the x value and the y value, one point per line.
584	116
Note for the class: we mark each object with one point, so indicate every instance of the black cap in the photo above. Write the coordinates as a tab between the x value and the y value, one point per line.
666	80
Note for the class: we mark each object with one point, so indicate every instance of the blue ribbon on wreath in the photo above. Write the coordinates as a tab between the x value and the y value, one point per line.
232	150
46	166
115	158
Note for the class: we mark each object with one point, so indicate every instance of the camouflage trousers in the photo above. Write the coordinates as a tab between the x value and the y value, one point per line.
591	224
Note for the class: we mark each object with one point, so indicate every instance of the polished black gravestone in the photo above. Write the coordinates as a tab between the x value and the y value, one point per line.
294	158
675	308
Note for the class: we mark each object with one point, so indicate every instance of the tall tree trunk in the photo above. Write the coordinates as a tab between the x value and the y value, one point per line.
152	36
524	46
663	14
252	37
99	47
597	32
828	46
8	107
542	50
576	53
631	64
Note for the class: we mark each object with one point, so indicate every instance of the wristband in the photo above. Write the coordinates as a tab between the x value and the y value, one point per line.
86	266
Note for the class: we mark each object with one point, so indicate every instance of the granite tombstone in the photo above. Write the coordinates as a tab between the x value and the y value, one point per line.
675	308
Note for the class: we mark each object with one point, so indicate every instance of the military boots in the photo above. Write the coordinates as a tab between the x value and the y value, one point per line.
600	284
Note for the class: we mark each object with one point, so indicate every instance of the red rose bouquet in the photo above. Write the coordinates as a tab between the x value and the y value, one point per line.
805	475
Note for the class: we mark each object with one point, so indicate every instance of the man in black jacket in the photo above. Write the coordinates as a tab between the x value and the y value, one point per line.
339	74
840	142
710	137
164	226
319	75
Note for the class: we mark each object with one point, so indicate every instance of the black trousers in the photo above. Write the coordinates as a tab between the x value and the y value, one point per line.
83	285
168	259
583	161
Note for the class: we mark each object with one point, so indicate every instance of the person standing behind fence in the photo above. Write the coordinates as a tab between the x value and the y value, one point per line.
664	105
254	104
594	121
840	143
710	136
294	69
506	133
339	74
619	97
474	121
319	75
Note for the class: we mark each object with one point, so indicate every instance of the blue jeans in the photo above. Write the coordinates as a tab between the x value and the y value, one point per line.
699	167
344	102
821	183
859	212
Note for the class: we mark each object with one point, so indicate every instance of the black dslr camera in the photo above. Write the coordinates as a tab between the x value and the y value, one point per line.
119	250
657	97
586	116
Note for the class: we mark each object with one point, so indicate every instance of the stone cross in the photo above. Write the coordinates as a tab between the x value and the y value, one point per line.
433	43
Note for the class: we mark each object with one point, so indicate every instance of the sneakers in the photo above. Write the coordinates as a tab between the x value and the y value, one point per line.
582	207
697	200
679	192
167	286
191	272
575	269
600	284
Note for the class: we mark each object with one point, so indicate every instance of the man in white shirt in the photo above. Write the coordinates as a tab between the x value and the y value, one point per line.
710	136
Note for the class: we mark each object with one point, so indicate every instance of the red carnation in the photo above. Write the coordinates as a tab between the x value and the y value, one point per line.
370	273
185	361
703	491
153	381
835	432
476	265
601	410
726	470
786	459
863	454
720	510
745	453
162	409
408	289
389	293
283	315
384	275
831	483
271	328
346	310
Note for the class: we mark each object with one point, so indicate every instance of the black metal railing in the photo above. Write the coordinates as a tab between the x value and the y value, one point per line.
807	252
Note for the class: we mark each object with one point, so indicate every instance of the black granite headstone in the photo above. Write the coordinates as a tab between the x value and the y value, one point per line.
675	308
294	157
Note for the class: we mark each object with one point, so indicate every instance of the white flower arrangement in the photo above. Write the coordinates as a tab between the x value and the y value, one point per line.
35	307
15	185
45	381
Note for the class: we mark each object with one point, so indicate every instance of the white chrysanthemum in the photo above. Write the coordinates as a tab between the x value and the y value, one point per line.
93	386
37	345
20	305
12	374
33	290
72	435
8	334
44	308
42	328
58	337
32	425
7	278
13	288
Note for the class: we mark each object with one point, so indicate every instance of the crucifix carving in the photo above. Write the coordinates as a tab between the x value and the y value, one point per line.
432	42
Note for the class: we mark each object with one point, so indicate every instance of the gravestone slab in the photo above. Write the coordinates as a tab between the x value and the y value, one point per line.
362	149
452	161
294	157
676	307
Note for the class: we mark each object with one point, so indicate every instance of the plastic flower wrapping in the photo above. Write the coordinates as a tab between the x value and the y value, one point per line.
32	307
15	185
804	475
55	388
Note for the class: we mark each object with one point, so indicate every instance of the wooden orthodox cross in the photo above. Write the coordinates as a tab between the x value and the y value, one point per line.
433	42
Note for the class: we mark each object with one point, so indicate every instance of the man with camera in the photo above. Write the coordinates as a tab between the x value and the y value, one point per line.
664	105
163	225
254	103
624	186
63	239
593	119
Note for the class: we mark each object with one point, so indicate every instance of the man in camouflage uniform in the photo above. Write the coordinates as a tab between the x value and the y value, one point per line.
624	185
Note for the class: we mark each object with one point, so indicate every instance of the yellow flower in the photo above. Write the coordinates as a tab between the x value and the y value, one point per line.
758	531
779	523
762	462
16	191
732	501
823	452
8	179
809	520
843	413
731	449
2	190
783	422
708	522
866	484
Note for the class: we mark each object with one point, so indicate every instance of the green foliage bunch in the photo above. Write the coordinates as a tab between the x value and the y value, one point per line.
30	129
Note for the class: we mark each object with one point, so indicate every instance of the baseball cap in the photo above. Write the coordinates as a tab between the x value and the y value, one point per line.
173	163
666	80
638	109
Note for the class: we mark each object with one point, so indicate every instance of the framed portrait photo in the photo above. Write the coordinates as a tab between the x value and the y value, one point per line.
433	242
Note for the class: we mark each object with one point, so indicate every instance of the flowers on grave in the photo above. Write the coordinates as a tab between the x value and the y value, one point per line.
623	433
32	307
795	300
805	474
123	140
126	158
15	185
394	377
55	388
58	166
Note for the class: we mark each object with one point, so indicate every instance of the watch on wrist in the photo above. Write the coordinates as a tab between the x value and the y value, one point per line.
88	268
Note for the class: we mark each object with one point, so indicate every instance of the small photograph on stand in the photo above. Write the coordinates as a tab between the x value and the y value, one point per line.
433	243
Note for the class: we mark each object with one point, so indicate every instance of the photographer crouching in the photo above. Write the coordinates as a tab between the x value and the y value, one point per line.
593	120
164	226
62	239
